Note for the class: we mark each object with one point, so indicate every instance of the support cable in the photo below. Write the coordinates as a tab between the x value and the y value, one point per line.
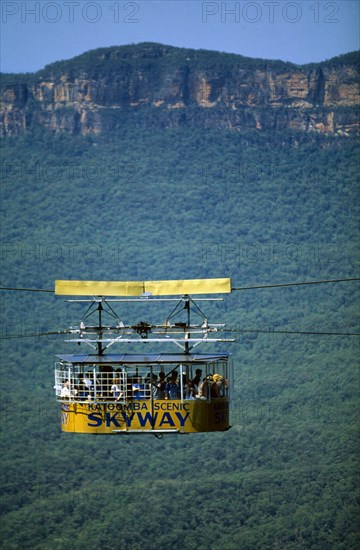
297	284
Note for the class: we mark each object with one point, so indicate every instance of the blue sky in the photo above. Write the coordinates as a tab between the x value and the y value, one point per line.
36	33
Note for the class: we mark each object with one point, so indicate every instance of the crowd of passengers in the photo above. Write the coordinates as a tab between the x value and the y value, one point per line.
111	385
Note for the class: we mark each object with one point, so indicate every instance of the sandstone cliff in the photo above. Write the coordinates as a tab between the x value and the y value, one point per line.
168	86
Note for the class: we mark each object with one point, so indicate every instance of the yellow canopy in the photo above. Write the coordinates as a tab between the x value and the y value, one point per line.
137	288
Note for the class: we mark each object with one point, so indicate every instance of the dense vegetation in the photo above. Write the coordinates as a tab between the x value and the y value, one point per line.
140	204
106	61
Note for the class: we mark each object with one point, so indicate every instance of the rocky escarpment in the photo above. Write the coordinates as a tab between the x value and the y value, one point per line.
168	86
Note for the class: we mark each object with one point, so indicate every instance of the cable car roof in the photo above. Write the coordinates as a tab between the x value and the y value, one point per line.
153	358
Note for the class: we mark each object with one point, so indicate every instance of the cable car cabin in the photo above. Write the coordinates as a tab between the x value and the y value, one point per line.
159	393
184	392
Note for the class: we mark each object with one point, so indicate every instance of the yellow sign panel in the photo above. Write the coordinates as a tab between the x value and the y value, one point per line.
99	288
188	286
145	416
137	288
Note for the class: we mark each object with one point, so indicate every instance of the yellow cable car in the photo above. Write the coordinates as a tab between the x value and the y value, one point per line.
157	393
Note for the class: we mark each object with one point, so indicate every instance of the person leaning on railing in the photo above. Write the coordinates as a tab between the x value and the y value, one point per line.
66	392
116	389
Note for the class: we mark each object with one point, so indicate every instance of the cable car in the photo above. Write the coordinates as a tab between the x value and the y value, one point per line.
157	393
137	393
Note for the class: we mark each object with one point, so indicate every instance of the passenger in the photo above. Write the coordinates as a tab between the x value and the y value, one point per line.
204	387
161	385
155	387
196	380
190	392
138	389
105	380
213	385
66	392
82	392
172	388
95	386
214	388
187	387
184	383
218	386
130	381
116	389
88	384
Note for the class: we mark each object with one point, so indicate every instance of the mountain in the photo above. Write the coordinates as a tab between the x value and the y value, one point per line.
99	90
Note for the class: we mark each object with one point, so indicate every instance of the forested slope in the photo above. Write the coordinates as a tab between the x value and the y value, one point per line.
183	203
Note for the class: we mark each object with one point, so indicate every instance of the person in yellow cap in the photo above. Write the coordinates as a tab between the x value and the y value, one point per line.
217	386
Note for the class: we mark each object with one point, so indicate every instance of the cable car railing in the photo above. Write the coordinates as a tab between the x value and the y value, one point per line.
123	384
